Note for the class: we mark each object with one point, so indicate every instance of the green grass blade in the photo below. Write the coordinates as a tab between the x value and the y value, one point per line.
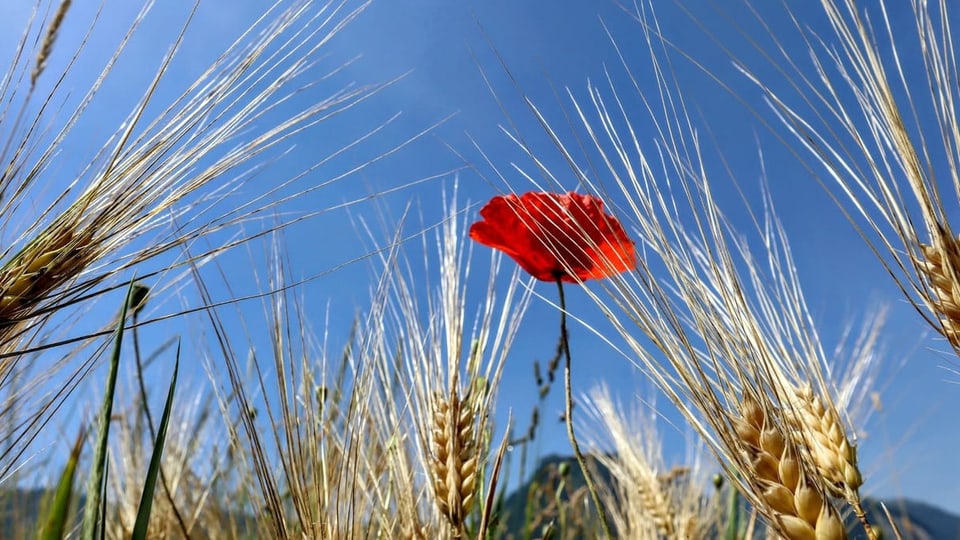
91	513
146	498
58	512
733	514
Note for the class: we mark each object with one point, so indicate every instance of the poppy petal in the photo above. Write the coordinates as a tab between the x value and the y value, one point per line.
556	236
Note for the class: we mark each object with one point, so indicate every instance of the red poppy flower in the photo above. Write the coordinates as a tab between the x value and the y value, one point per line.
555	236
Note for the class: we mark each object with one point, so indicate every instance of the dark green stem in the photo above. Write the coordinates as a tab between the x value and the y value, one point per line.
568	387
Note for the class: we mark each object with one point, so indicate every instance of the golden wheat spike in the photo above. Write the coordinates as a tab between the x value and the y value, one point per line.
940	264
447	382
797	506
455	456
830	449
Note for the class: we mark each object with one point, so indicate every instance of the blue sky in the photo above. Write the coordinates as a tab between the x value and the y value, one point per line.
550	46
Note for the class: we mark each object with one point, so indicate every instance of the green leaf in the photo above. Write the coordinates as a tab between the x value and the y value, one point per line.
153	471
59	511
92	511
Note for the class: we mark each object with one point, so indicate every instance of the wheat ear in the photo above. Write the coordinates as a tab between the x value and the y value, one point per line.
939	264
797	506
646	499
830	450
834	456
658	506
455	456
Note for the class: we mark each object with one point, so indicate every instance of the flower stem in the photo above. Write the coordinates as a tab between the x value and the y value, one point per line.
568	387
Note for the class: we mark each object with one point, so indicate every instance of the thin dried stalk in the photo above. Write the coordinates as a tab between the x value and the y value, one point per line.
48	40
322	450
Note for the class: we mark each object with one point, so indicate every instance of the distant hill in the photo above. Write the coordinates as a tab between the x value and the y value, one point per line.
546	476
916	520
19	508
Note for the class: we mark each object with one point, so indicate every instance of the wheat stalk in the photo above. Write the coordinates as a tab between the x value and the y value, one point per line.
49	39
314	451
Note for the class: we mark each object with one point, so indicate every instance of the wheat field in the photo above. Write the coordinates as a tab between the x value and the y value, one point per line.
277	270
